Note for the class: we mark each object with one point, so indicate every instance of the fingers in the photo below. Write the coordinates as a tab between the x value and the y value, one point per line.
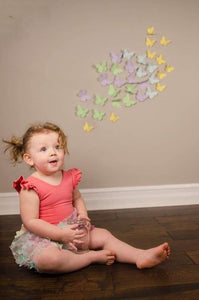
84	218
79	242
80	234
73	246
74	226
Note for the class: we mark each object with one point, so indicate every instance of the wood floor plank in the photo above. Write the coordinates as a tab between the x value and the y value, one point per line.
180	222
184	234
194	255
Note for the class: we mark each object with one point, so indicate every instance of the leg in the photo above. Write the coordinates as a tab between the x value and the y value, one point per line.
54	260
101	238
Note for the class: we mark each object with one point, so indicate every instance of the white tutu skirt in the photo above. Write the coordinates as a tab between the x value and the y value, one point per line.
26	244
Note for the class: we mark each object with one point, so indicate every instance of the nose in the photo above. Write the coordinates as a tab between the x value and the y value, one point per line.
52	151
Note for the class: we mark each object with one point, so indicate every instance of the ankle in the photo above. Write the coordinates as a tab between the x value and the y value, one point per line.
92	256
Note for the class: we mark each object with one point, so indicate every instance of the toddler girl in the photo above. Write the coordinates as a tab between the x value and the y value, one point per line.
51	206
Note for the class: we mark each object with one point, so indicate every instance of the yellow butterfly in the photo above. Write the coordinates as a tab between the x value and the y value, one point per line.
164	42
161	75
168	68
159	87
113	118
149	42
160	60
151	54
150	31
87	128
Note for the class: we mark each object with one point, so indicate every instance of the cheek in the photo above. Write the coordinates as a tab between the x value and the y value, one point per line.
41	159
62	156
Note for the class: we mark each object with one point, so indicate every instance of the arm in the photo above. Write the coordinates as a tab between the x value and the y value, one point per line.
29	210
79	204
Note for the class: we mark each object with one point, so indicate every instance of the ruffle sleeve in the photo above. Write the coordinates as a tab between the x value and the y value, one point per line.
76	176
24	184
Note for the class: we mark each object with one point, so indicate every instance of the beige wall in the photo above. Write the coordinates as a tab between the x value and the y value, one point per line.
47	51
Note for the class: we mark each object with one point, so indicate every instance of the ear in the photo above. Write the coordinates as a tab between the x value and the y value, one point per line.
27	159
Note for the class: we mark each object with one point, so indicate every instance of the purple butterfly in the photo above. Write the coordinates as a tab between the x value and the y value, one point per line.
130	67
83	95
143	84
103	79
140	96
131	78
118	82
116	58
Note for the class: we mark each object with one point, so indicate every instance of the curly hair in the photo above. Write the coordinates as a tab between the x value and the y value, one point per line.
18	145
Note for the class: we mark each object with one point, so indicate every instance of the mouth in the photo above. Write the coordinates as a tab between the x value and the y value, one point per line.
53	162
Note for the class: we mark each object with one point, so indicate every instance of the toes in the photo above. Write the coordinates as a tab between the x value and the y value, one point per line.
110	262
111	259
166	249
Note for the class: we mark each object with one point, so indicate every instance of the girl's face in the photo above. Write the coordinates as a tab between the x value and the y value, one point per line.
45	153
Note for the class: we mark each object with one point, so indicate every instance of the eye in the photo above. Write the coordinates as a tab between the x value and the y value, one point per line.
43	149
57	147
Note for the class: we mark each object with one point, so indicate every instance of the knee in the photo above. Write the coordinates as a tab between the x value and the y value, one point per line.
48	261
106	234
100	238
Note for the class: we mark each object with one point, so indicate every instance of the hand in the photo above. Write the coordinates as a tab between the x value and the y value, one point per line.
86	218
72	235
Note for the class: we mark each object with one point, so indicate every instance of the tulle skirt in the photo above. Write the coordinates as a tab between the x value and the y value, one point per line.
26	244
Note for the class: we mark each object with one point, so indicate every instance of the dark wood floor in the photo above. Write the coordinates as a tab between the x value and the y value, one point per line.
177	278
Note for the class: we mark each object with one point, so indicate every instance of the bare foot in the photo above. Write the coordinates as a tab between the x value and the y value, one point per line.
103	257
154	256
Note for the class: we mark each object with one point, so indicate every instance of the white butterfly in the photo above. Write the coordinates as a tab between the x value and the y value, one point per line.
151	68
141	59
153	80
127	54
140	73
151	93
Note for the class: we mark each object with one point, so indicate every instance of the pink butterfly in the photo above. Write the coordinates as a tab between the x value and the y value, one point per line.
83	95
116	58
118	82
140	96
103	79
130	67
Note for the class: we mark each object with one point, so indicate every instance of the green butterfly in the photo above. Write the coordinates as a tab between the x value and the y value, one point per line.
115	69
130	88
100	101
112	91
102	67
127	101
98	115
81	112
116	103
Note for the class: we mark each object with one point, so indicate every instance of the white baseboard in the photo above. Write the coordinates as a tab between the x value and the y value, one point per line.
120	198
143	196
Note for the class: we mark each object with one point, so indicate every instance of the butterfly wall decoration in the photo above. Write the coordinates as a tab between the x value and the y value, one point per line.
98	115
81	112
100	100
87	128
82	94
113	117
126	78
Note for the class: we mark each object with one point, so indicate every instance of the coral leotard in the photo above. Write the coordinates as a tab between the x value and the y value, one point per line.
55	200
